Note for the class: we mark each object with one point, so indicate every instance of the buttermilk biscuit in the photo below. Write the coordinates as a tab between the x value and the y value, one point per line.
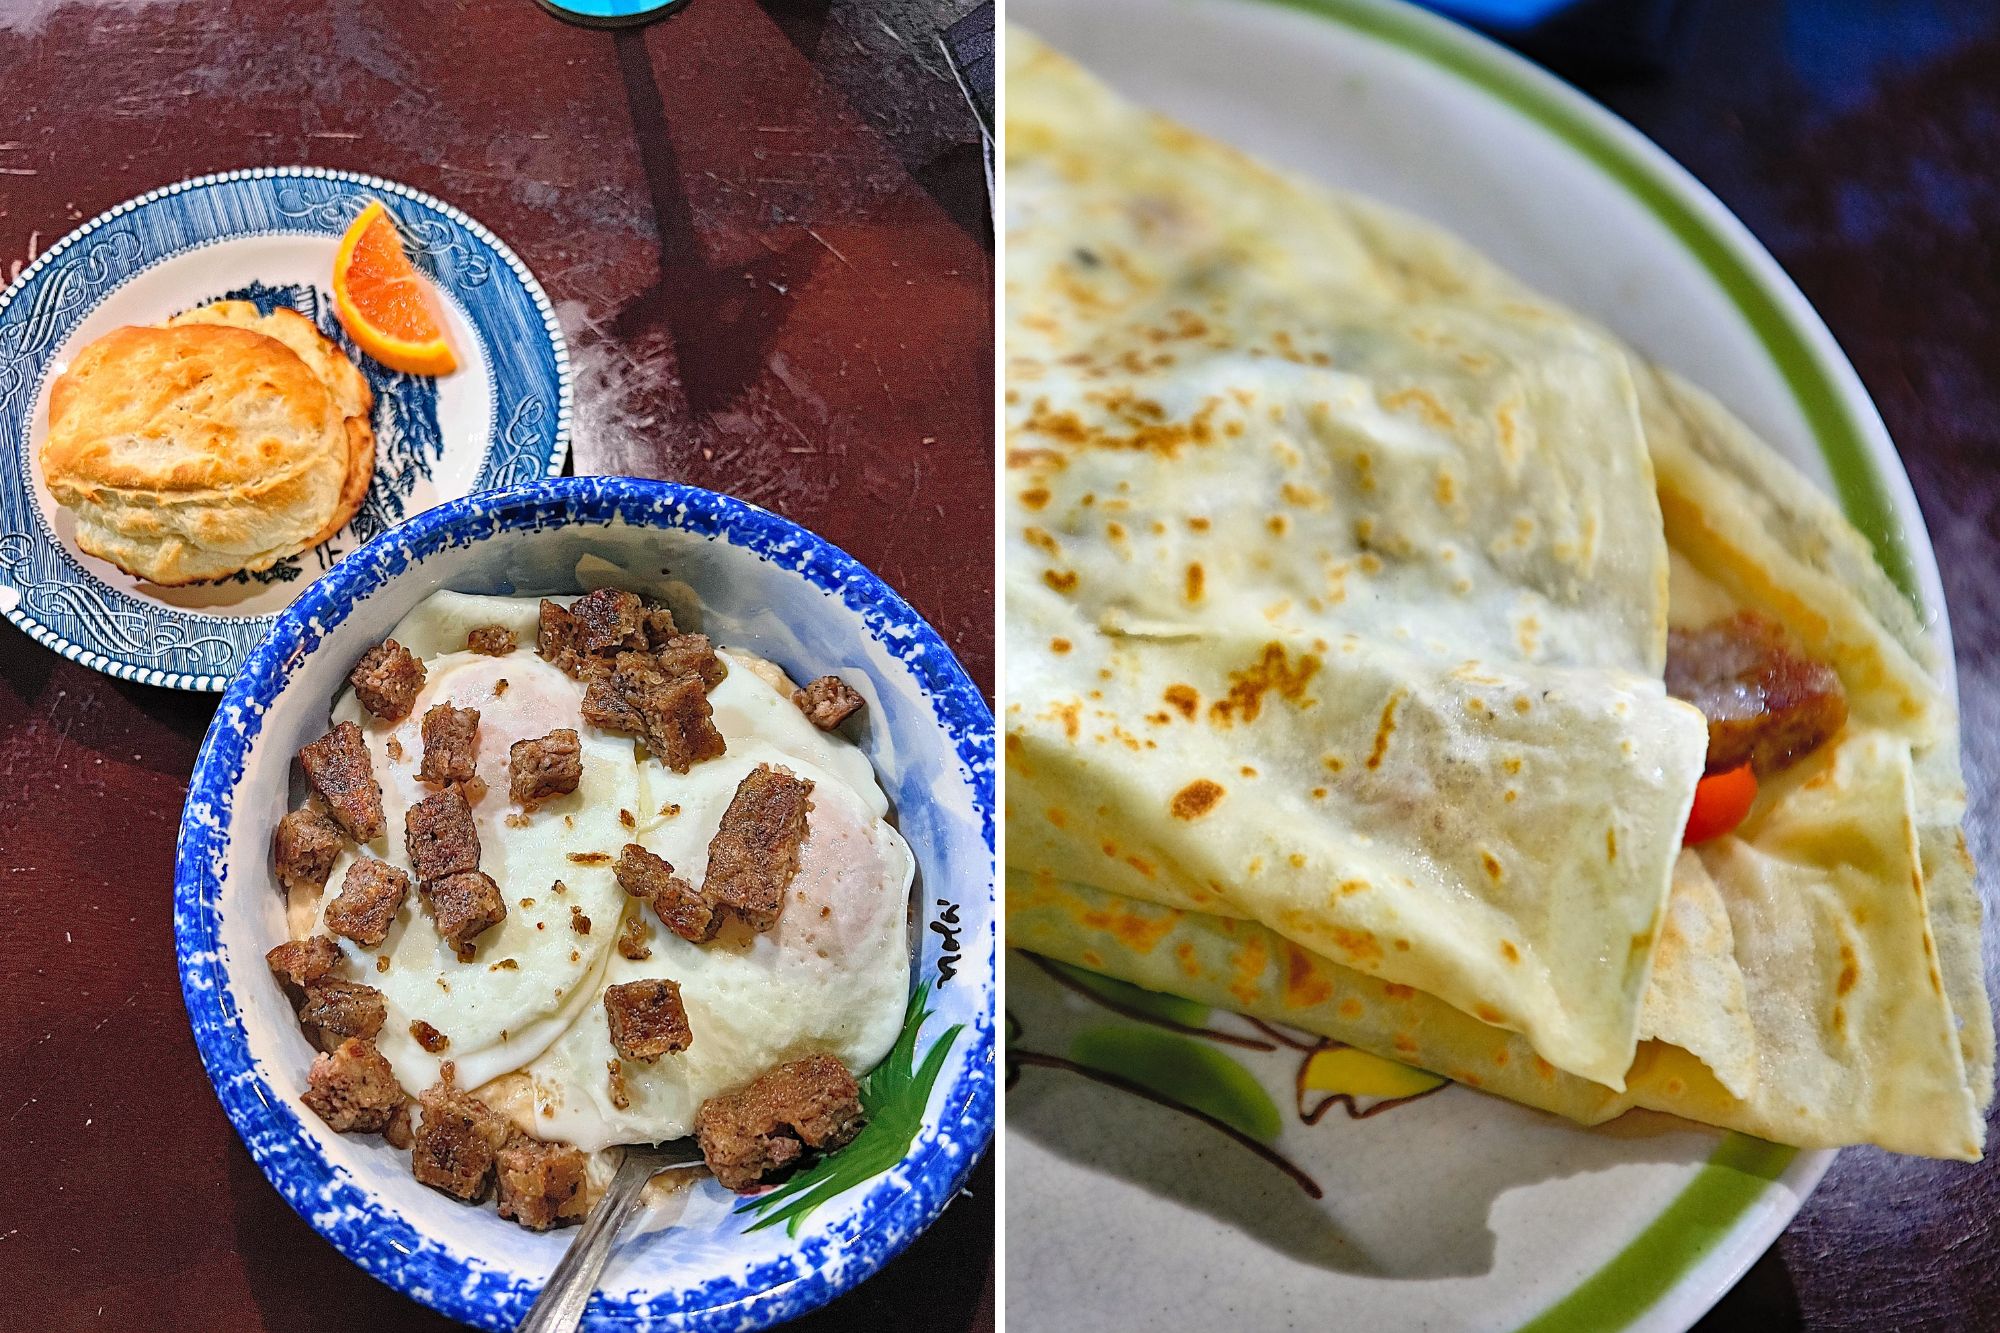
349	389
190	453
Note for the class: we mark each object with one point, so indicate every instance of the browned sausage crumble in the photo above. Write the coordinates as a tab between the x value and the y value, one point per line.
352	1087
463	906
606	701
1765	704
387	679
755	852
302	962
450	735
765	1127
647	1018
828	701
670	713
691	655
305	848
339	768
541	1184
439	835
399	1133
491	640
343	1009
636	664
608	620
550	765
632	939
556	638
680	727
681	909
371	893
457	1140
659	625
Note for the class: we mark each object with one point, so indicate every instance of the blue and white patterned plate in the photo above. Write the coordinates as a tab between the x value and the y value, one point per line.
267	236
764	584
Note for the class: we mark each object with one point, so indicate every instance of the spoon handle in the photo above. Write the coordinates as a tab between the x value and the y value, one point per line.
559	1309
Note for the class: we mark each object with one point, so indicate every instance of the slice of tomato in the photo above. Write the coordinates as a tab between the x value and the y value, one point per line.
1721	800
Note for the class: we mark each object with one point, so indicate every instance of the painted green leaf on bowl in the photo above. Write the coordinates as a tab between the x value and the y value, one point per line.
893	1096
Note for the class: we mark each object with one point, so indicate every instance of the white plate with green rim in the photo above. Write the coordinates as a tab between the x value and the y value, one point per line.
1454	1210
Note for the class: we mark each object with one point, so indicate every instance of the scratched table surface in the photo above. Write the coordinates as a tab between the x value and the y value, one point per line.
1861	142
765	229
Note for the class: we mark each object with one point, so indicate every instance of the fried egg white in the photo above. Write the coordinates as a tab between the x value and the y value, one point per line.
530	975
832	976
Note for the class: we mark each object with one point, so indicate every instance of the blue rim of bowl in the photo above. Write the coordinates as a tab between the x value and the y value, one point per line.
381	1242
24	528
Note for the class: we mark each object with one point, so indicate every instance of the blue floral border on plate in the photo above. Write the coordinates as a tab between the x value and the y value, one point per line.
44	589
382	1243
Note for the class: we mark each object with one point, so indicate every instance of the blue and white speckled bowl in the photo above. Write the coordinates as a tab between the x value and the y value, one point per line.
765	584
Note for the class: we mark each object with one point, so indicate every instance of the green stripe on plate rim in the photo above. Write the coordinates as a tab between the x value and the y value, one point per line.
1686	1232
1861	491
1741	1169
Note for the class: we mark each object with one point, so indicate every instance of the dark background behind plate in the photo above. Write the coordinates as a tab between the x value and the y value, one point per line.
765	229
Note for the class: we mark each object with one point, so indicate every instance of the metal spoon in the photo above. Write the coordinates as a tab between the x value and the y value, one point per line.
559	1309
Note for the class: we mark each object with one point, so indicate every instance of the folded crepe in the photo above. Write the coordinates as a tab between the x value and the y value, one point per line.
1340	570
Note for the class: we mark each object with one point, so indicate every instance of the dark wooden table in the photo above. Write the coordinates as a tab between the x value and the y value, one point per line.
1862	144
765	228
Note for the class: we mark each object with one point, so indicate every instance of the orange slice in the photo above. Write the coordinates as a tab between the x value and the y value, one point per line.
383	302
